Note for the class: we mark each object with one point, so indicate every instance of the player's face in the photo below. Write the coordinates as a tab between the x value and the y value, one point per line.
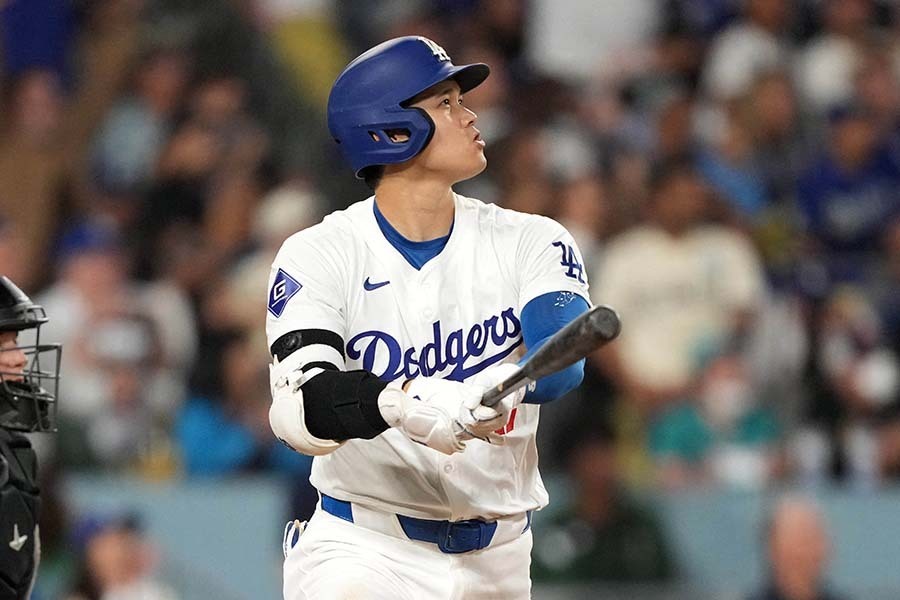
456	149
12	359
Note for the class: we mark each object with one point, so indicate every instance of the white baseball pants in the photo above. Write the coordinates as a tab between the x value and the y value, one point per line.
333	559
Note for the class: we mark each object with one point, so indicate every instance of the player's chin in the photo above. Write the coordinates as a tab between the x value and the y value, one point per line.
473	166
479	164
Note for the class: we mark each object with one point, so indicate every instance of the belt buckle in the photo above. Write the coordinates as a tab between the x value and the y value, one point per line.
461	536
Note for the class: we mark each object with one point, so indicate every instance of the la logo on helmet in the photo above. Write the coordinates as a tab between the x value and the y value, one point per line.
439	52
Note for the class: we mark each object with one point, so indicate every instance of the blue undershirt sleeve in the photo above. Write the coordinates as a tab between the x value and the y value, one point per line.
541	318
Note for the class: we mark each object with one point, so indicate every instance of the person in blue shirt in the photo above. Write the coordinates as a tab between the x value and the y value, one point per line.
850	193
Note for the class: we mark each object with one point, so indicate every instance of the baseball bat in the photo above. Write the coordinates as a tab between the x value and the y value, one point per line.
590	330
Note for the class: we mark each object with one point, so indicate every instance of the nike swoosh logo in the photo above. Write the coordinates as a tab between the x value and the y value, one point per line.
17	541
369	286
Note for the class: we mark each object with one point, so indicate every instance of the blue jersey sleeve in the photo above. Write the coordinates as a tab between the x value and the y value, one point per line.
541	318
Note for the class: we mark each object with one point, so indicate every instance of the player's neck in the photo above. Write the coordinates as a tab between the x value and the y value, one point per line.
419	211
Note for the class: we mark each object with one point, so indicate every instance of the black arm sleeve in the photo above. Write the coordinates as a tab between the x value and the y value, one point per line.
337	405
340	405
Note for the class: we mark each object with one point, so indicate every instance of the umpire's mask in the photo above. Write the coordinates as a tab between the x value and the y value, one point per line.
27	395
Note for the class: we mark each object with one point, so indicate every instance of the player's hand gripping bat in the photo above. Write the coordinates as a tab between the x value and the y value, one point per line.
589	331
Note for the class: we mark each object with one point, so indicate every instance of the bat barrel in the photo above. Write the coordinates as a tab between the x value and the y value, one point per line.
605	322
570	344
574	342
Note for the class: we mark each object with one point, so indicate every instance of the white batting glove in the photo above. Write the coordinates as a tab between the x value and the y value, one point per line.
422	414
482	420
457	398
454	397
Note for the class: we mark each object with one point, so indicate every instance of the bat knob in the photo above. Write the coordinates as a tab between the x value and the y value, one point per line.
606	322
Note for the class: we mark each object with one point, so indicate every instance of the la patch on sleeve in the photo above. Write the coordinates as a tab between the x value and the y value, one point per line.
283	289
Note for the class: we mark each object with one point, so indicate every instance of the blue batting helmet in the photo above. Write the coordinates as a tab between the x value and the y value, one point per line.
367	99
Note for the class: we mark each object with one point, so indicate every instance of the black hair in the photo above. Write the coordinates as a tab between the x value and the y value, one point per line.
372	176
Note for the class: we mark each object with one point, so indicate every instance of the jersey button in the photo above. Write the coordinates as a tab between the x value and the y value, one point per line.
448	468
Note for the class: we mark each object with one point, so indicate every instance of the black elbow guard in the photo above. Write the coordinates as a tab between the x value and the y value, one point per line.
341	405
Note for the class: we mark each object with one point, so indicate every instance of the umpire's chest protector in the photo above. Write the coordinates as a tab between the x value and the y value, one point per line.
19	506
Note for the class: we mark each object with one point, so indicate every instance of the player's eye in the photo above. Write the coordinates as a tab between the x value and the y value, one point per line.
445	102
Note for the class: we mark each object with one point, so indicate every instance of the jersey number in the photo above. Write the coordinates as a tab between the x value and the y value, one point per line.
574	269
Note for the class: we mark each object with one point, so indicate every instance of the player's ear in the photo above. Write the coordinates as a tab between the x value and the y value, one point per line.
398	136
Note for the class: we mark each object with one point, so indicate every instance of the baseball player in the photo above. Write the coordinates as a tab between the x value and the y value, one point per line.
25	405
387	322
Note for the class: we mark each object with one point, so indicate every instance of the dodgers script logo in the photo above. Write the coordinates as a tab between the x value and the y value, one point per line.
456	350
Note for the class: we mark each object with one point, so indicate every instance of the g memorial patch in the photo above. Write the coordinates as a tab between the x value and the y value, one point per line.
283	289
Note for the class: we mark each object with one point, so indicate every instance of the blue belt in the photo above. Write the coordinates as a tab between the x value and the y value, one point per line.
451	537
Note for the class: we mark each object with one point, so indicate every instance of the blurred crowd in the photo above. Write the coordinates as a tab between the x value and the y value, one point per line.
729	168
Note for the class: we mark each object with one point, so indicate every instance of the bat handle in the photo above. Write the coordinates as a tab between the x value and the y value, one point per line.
505	388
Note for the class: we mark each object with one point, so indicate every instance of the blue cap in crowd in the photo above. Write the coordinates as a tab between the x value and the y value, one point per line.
91	525
87	237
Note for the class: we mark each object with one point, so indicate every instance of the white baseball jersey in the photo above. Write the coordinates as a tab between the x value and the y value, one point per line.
453	318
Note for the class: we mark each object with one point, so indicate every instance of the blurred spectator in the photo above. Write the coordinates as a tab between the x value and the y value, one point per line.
752	45
877	86
117	562
130	140
284	211
723	437
231	435
178	194
687	289
604	535
862	380
773	120
690	24
584	210
728	165
219	105
307	39
503	23
208	184
888	295
47	124
850	194
124	353
675	128
826	66
628	184
854	355
32	169
129	358
573	41
798	549
170	241
603	120
11	255
37	33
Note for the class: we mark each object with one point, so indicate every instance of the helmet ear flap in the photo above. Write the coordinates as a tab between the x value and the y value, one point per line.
423	127
413	121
